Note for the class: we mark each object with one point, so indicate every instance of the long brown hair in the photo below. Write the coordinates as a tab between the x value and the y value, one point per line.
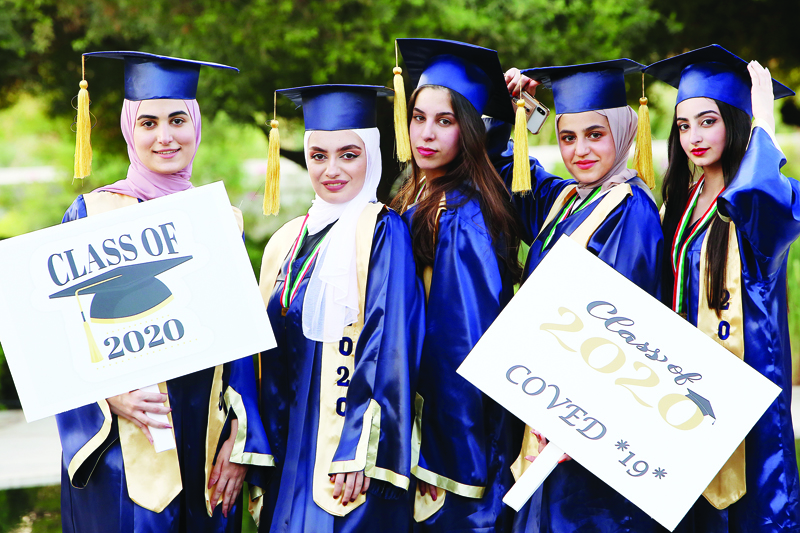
470	173
675	191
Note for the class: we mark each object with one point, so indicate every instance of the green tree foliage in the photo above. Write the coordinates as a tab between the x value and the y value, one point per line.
286	43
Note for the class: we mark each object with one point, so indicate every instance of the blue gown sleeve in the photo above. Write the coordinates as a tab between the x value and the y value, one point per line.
75	211
630	241
532	207
85	433
251	446
387	356
763	203
460	424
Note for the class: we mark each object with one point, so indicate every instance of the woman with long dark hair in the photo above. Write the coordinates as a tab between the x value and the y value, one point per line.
112	478
729	234
465	241
609	210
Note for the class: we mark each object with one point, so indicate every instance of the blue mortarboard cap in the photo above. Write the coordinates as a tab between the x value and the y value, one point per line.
154	77
587	87
471	71
711	72
337	107
127	292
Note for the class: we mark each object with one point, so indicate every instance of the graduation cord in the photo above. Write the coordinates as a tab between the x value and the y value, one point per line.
290	288
567	211
423	183
679	251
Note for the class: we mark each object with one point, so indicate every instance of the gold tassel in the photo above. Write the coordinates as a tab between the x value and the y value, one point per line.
400	113
272	194
83	128
272	186
643	156
94	351
521	181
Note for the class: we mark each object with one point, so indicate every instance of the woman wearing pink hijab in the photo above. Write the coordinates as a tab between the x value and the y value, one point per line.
112	479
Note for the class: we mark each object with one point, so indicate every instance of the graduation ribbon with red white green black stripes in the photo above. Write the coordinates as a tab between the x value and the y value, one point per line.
567	211
289	288
679	252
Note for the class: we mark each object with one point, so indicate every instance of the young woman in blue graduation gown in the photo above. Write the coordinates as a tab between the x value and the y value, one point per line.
346	307
729	235
594	142
208	410
465	242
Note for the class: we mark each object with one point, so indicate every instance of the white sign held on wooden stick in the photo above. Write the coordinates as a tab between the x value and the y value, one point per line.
609	374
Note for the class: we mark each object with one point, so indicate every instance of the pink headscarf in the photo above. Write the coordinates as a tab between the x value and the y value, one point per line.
141	181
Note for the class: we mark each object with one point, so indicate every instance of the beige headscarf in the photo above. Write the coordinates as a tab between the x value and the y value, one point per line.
623	122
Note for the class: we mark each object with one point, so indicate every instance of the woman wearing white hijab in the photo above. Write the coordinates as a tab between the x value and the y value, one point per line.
610	211
345	303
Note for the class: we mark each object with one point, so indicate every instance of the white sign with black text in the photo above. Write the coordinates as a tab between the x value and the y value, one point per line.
127	298
621	383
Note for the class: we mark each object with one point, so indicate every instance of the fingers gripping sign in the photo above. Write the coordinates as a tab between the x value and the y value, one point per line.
145	408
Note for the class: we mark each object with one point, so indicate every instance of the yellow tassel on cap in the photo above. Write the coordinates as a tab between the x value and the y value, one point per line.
83	129
94	351
400	113
521	181
272	194
643	156
401	118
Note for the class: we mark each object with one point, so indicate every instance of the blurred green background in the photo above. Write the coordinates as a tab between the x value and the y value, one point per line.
287	43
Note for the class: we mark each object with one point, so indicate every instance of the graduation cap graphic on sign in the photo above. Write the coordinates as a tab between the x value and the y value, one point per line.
123	294
703	404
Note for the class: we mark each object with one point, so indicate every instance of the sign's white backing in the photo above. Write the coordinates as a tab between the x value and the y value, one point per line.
182	253
621	383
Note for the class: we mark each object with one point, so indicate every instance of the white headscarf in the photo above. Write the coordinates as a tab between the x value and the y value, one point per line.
623	122
331	300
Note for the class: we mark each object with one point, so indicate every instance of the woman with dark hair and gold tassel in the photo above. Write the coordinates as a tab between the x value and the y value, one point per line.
608	209
465	241
345	303
729	233
112	477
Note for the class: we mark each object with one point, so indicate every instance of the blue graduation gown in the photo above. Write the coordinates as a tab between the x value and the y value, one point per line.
467	438
764	205
630	241
96	499
386	358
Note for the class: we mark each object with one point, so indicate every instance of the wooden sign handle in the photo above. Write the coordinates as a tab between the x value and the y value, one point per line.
533	477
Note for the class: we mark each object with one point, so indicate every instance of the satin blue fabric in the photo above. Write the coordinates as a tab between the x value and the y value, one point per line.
337	107
711	72
466	436
587	87
386	359
764	205
96	499
630	241
471	71
152	77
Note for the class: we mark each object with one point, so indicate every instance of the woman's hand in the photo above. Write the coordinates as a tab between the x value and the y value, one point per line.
513	76
427	488
761	93
354	483
135	405
542	443
227	476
